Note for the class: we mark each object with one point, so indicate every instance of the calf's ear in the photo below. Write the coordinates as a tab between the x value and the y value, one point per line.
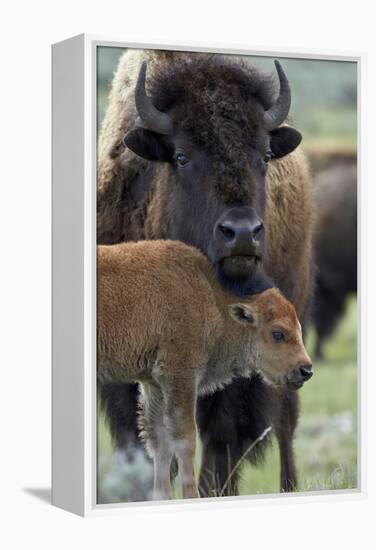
284	140
148	145
243	314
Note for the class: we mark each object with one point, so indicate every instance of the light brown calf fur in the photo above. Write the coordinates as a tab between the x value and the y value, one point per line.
164	321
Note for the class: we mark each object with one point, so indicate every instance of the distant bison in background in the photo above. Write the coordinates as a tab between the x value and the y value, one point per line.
322	157
335	192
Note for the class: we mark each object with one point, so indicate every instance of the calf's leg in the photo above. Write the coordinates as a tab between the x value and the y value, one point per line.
156	437
180	405
162	460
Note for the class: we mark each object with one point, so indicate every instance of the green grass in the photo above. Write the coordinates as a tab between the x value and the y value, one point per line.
335	125
326	439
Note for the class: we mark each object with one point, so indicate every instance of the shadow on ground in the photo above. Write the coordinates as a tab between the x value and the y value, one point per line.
40	493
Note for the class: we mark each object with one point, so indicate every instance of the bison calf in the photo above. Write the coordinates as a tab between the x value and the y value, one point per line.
165	321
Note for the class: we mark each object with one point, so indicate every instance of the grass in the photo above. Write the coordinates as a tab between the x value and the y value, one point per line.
326	439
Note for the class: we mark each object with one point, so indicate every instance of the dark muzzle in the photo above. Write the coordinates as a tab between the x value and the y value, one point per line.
237	238
300	374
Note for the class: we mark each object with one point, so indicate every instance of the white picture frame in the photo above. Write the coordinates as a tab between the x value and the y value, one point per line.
74	277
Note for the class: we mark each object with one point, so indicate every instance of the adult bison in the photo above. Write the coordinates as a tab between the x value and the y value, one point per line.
191	149
335	193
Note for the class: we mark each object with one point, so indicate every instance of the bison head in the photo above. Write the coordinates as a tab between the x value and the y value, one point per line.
276	336
215	125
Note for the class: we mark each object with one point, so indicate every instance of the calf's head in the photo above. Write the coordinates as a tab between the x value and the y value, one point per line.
276	338
214	123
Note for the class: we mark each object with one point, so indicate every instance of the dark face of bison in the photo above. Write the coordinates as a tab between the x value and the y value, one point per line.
215	125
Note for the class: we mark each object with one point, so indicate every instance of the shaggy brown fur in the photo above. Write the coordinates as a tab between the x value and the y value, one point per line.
134	203
122	205
189	345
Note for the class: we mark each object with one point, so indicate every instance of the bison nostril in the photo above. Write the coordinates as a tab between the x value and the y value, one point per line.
306	372
258	230
227	231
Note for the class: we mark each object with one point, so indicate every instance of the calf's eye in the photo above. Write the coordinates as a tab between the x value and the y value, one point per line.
278	335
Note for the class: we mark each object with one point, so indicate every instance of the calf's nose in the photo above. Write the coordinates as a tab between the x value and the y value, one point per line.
299	375
306	372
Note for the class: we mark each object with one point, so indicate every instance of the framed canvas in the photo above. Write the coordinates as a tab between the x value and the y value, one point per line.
206	248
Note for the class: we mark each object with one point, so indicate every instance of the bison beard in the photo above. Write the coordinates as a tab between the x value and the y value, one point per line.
134	202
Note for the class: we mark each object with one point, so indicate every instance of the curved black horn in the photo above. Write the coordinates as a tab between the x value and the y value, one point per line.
153	119
278	112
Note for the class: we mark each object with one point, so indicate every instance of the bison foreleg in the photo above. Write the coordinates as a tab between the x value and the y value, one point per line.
285	424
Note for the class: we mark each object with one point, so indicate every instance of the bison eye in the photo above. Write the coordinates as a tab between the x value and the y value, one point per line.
268	156
278	335
181	159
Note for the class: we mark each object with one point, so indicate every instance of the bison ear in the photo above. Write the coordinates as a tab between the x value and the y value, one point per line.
148	145
284	140
243	314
